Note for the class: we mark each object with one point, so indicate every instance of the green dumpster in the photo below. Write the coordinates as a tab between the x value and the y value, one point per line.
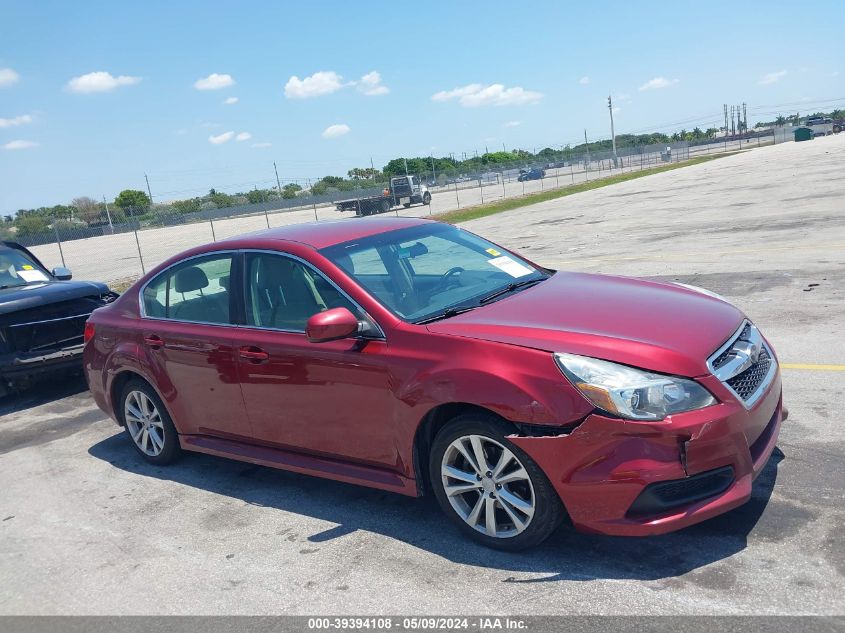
803	134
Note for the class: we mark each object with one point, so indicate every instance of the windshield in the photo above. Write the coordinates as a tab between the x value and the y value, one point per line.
426	271
17	269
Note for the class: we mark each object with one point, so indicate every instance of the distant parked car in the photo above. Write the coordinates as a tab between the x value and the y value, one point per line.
535	173
42	316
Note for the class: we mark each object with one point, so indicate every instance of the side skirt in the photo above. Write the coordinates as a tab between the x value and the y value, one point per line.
299	463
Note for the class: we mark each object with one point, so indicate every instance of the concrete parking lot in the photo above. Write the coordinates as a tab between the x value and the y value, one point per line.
88	528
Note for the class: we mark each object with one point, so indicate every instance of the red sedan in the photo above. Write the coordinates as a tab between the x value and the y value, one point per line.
416	357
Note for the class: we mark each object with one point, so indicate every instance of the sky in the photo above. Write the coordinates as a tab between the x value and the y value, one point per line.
196	95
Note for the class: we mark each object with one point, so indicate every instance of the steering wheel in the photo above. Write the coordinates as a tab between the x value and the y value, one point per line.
449	277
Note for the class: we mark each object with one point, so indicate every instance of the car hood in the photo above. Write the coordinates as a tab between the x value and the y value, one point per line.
44	293
656	326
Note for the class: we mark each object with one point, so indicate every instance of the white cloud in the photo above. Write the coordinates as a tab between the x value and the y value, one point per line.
243	136
260	145
320	83
658	83
181	131
230	101
616	109
370	84
214	81
513	124
475	95
20	145
8	77
18	120
221	138
624	96
771	78
584	80
333	131
99	81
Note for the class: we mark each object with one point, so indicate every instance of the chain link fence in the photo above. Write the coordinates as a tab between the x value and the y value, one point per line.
134	240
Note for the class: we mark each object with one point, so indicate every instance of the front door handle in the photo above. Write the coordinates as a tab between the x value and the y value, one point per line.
253	354
154	341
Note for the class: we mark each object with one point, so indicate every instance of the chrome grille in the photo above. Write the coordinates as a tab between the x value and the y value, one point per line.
725	356
746	383
744	364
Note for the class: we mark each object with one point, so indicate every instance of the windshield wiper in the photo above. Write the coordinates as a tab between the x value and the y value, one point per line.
445	314
510	288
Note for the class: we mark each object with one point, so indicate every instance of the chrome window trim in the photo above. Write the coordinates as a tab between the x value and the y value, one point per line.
141	309
379	330
732	369
233	252
67	318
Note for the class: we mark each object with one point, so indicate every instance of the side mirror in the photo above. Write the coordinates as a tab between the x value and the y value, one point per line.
331	325
62	274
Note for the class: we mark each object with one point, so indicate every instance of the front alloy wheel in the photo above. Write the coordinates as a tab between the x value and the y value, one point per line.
489	487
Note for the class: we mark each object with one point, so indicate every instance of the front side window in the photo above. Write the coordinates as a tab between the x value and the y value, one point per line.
196	290
283	293
427	270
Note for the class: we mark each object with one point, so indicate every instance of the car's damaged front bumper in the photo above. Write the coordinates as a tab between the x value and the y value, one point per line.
635	479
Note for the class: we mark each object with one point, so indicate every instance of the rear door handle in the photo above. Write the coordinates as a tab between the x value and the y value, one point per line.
154	341
253	354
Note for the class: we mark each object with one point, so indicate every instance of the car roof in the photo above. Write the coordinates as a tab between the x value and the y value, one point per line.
330	232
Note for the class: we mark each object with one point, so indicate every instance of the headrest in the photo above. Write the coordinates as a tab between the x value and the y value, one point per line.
190	279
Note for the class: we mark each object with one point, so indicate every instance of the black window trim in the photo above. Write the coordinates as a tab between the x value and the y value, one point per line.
233	311
378	335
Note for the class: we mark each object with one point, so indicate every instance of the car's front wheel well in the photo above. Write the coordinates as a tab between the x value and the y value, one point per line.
434	420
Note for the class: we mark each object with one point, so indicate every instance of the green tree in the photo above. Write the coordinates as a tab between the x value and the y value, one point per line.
134	200
191	205
222	200
31	224
290	190
256	195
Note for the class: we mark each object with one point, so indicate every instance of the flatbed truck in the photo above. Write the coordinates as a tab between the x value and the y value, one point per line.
402	191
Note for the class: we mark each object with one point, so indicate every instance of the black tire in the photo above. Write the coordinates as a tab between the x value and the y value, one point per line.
407	205
426	198
170	451
385	206
548	511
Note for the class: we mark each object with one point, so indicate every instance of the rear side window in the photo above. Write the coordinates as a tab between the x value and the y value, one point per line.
196	290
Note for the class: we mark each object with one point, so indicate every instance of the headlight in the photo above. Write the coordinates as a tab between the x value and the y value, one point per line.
703	291
632	393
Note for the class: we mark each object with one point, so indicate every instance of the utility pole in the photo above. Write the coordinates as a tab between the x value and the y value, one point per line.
108	214
148	189
744	117
587	147
433	172
612	132
278	184
406	165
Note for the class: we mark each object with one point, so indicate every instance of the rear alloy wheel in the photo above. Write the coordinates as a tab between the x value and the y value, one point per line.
426	198
148	424
494	491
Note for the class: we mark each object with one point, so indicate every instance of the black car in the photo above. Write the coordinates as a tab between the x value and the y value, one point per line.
535	173
42	316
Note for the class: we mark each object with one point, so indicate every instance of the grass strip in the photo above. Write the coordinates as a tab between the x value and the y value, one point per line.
483	210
